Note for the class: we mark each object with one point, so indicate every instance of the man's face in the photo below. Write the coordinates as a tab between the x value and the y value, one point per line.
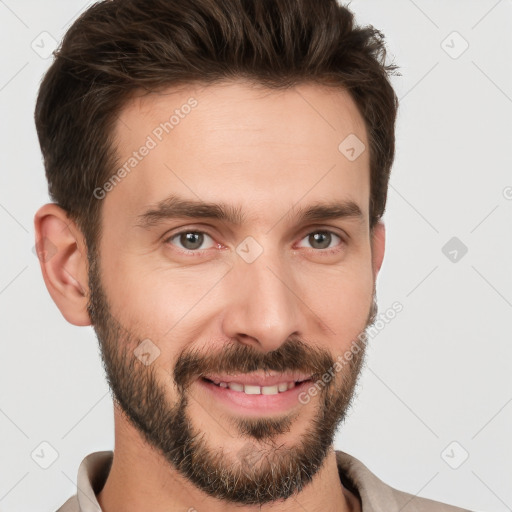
270	292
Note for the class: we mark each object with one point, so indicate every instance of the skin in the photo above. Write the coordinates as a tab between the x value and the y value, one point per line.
271	152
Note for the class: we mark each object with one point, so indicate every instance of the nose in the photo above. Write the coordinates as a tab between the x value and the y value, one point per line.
262	306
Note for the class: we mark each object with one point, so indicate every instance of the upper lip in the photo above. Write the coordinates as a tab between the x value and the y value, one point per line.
256	379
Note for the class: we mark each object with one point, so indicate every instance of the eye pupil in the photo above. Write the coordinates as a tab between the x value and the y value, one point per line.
320	237
196	239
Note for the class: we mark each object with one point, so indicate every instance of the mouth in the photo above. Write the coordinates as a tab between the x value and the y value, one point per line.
255	389
253	400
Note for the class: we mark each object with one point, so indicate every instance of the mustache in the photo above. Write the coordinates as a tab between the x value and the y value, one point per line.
292	356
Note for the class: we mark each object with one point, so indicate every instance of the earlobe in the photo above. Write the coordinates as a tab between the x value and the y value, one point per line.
62	255
378	241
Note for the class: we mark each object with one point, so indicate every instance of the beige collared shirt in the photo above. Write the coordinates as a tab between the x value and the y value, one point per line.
374	495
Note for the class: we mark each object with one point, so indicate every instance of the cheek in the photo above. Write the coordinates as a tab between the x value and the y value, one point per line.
342	299
159	299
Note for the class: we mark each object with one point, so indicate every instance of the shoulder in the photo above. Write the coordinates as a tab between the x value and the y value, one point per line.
376	496
92	475
71	505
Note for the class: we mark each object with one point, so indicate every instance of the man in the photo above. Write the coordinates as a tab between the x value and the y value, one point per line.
219	171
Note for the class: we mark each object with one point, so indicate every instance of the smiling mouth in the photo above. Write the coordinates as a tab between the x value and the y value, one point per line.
251	389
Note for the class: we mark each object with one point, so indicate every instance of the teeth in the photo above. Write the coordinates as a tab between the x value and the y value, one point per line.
270	390
252	390
249	389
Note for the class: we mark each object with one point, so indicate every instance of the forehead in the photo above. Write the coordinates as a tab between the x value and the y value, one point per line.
236	142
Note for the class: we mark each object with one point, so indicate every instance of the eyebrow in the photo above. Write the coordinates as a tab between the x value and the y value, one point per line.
176	207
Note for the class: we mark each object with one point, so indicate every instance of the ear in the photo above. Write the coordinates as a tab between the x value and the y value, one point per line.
62	254
378	243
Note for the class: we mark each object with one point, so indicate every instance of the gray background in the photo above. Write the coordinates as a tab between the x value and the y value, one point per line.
437	387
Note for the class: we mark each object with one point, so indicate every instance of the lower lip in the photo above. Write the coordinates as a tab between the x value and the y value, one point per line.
256	405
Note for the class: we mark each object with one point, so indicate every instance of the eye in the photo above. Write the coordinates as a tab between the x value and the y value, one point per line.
322	240
193	241
190	240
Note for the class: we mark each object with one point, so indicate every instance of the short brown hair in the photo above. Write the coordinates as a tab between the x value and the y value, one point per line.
117	47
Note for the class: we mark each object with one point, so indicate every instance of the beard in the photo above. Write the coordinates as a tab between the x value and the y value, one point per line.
263	470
